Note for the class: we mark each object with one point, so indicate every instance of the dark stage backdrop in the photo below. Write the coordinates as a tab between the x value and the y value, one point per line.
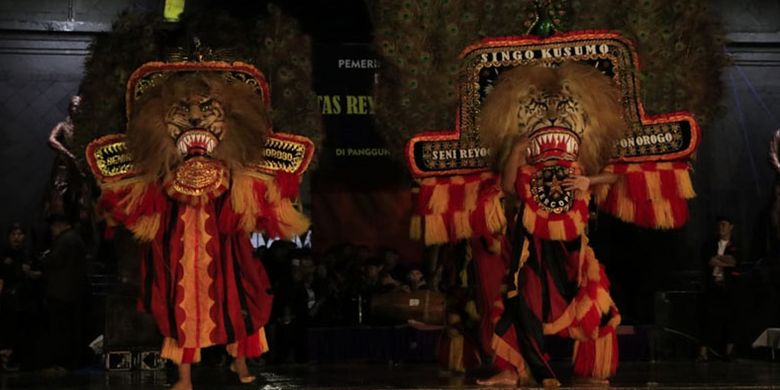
358	197
731	175
359	194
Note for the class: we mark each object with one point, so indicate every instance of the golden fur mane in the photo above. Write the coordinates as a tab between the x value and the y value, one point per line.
597	96
246	122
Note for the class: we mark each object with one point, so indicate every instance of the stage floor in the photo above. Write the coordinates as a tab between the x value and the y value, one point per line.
666	375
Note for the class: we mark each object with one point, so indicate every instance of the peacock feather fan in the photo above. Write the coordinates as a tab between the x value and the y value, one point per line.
270	40
284	53
418	42
680	45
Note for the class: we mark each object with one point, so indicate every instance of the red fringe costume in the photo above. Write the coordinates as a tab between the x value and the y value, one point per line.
199	278
537	274
555	284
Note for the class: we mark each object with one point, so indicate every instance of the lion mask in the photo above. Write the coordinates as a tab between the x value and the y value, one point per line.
571	112
197	114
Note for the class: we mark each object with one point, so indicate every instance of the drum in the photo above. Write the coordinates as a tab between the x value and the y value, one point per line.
423	306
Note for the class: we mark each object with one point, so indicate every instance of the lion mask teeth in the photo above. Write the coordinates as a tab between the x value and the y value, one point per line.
553	143
197	142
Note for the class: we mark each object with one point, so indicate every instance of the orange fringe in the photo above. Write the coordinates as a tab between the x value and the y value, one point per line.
650	195
170	350
453	208
250	205
132	203
261	346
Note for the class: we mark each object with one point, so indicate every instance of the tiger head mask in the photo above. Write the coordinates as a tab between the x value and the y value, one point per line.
571	112
201	115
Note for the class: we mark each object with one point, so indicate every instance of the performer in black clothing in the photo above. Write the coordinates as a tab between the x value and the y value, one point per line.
12	275
720	258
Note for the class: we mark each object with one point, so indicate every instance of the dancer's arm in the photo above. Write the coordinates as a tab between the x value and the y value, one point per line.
513	163
583	183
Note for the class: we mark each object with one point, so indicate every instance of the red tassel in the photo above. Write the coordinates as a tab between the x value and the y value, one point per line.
478	221
592	289
457	197
644	214
426	191
680	211
228	219
611	203
109	204
637	192
585	359
591	320
251	346
153	202
267	221
603	280
541	229
288	184
636	186
449	223
669	184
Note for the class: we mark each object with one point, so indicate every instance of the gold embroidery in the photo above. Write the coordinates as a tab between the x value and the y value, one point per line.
282	155
113	159
199	176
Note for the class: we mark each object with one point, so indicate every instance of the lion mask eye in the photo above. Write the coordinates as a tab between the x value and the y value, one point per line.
206	105
564	105
536	105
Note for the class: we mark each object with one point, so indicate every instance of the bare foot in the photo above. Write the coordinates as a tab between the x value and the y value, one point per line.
185	378
182	385
503	378
551	383
591	381
239	367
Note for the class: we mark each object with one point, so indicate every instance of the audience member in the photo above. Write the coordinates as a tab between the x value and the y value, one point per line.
720	257
415	280
12	275
390	264
65	273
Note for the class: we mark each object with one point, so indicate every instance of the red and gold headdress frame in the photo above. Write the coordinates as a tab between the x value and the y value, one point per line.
288	153
152	73
666	137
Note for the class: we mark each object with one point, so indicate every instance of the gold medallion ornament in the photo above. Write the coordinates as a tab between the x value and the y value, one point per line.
547	189
197	180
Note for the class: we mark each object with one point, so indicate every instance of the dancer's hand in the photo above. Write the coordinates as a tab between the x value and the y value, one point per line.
573	183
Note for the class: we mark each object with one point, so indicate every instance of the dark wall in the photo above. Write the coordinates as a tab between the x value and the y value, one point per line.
732	174
38	73
42	49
